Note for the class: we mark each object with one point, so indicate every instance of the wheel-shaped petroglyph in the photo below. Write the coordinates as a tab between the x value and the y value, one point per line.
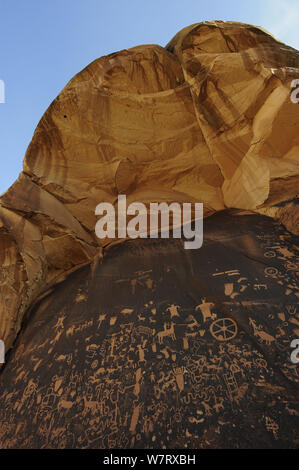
271	271
224	329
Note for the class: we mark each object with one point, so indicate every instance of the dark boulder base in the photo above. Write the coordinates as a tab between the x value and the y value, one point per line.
156	346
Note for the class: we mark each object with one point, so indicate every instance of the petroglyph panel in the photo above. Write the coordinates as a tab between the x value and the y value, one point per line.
151	349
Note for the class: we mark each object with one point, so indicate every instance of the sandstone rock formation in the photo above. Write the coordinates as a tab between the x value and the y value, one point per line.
206	119
160	347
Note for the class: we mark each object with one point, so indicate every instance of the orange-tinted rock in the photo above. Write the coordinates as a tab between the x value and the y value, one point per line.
206	119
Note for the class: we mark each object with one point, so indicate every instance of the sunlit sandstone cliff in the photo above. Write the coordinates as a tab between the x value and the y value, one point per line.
206	119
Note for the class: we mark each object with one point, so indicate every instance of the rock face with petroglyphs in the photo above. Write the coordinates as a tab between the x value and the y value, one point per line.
143	343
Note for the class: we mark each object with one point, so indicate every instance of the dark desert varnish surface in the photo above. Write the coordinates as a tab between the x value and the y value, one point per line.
158	346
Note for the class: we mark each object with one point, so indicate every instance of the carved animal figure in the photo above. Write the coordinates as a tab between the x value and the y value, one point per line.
168	331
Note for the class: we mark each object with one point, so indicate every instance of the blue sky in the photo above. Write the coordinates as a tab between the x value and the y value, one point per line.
44	43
